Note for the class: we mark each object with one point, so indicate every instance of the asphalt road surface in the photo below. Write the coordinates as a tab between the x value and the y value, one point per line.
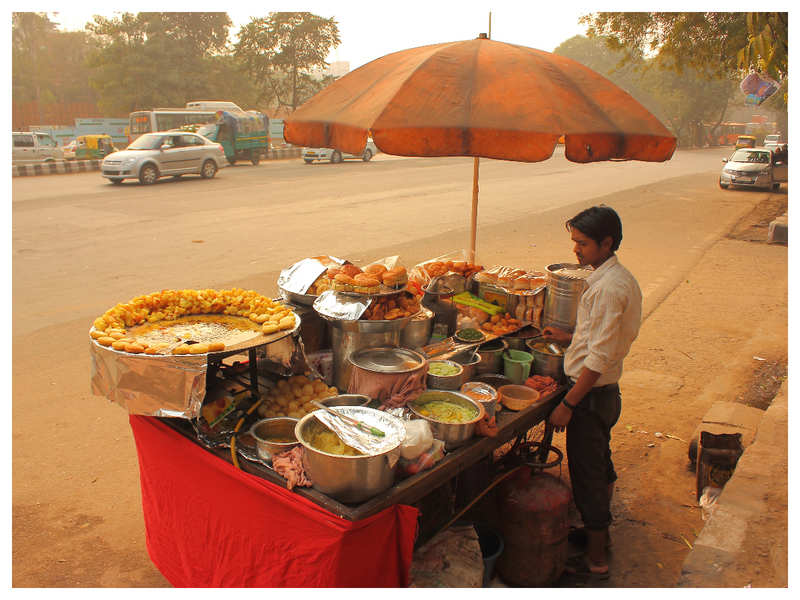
80	245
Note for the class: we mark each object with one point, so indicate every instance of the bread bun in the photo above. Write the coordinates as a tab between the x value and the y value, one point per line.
398	270
366	280
375	269
350	270
333	272
342	278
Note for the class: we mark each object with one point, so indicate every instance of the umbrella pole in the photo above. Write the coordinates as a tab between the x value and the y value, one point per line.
474	218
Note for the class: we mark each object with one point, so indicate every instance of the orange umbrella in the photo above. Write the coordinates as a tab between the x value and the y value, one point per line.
480	98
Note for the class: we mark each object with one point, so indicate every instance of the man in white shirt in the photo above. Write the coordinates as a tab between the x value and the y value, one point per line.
607	322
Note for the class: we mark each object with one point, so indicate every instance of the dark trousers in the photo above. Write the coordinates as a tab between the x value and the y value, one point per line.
589	454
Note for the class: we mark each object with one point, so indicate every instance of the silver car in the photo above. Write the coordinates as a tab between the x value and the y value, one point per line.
754	167
337	156
155	155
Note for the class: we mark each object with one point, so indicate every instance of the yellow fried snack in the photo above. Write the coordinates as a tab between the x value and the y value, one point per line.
172	304
216	347
106	341
198	348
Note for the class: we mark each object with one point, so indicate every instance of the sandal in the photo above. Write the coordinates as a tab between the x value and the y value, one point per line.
581	566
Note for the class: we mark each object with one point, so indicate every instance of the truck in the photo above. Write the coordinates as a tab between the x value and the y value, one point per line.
244	135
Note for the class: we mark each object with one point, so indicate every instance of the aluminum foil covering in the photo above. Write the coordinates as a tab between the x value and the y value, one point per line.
299	277
366	442
175	386
333	305
159	386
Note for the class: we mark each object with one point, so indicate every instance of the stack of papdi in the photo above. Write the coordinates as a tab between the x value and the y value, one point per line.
110	329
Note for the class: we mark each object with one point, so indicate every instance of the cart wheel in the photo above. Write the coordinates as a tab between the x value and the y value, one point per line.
367	155
255	157
336	157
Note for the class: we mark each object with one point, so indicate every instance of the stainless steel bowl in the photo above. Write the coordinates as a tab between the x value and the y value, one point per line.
452	434
265	430
352	479
445	382
469	361
347	400
491	356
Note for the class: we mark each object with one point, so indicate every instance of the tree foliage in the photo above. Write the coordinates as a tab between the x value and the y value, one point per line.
707	42
155	59
767	47
282	51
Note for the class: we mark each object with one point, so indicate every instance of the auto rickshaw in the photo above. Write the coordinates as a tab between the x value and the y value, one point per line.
745	141
88	147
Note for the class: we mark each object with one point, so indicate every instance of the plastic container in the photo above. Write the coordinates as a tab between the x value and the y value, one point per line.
492	546
517	365
517	397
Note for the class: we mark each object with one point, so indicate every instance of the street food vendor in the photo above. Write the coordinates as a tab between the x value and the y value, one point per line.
608	320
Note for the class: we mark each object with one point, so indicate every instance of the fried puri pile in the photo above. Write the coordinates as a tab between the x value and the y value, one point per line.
110	328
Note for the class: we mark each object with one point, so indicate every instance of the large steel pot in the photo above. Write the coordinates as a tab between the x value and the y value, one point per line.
347	336
452	434
417	332
563	295
353	479
546	363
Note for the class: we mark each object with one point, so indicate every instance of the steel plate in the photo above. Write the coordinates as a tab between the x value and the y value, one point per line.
387	360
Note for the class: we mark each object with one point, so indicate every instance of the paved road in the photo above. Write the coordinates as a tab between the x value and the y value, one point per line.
81	245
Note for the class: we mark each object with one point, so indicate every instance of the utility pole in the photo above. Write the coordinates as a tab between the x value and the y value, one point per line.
490	24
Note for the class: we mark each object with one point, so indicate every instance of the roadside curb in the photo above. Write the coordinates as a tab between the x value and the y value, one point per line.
779	230
84	166
723	540
54	168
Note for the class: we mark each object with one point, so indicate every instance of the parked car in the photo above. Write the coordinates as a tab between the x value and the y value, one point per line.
745	141
155	155
337	156
754	167
34	147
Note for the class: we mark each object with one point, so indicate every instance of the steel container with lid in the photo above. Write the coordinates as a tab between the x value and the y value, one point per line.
565	286
348	337
380	372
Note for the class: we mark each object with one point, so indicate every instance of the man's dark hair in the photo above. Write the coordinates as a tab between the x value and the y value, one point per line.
598	222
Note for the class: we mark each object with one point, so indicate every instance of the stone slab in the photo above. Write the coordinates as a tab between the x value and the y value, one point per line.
778	232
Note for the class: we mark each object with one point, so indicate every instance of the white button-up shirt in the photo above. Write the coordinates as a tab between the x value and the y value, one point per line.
608	320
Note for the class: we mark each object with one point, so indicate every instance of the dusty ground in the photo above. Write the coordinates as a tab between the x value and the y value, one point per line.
712	303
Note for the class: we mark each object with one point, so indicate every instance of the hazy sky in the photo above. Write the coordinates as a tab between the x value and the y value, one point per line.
369	30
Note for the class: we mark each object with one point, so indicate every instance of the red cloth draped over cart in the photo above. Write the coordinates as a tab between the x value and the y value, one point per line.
209	524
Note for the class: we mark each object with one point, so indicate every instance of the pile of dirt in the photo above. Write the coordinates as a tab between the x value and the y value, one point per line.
754	226
765	383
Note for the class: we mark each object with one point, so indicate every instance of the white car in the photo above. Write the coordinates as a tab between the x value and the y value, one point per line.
773	140
155	155
337	156
753	167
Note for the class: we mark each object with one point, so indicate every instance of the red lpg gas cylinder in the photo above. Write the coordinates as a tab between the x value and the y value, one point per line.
534	508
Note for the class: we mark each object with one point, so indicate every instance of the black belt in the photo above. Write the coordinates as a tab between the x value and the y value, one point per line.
599	388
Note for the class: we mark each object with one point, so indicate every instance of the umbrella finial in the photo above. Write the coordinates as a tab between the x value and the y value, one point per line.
482	36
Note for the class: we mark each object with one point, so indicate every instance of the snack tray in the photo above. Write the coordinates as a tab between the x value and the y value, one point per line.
258	339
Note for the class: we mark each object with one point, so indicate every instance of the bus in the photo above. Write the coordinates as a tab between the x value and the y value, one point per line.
164	119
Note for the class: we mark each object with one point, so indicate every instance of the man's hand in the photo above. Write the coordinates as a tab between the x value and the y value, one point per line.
560	417
559	336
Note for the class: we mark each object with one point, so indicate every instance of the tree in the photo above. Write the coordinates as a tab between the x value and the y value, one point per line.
281	52
31	67
767	47
154	59
708	42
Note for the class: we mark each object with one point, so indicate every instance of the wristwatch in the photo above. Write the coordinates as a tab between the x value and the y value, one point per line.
568	405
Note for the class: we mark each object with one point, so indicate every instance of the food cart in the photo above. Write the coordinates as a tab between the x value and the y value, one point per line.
217	510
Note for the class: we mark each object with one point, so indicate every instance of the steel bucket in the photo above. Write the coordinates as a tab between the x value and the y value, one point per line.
563	296
351	479
545	363
349	336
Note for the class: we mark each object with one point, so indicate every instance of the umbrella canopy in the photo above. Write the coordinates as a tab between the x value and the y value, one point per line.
480	98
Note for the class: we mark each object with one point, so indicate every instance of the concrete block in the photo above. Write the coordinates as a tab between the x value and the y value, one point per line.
727	417
779	231
704	566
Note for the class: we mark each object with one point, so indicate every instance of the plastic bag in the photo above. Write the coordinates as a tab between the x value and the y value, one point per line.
424	461
419	438
708	501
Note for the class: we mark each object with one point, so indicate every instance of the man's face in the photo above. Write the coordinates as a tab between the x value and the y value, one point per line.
588	251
